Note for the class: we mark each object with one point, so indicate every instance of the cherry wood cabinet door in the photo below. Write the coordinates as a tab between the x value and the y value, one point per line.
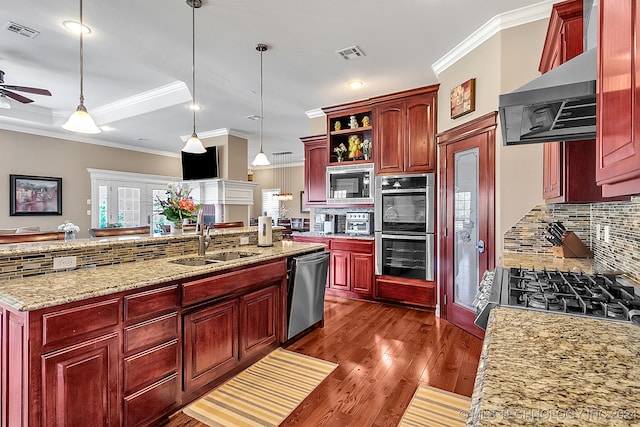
618	135
316	158
80	384
389	131
259	315
340	270
420	141
552	170
210	344
362	266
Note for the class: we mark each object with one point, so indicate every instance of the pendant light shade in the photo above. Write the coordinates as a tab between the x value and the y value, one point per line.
80	121
4	102
261	158
193	144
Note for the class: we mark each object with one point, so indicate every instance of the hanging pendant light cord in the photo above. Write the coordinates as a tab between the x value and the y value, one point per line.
193	63
81	58
261	101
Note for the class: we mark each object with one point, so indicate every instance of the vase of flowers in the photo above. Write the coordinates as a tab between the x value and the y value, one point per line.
340	150
178	207
70	230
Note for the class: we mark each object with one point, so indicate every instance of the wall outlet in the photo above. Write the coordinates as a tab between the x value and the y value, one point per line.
244	240
598	235
607	237
88	212
88	201
62	262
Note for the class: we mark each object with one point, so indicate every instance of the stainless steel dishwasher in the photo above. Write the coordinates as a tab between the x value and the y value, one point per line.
306	287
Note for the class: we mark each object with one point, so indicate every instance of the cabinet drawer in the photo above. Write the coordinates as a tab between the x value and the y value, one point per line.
352	245
143	304
410	292
147	367
154	331
151	402
79	323
211	287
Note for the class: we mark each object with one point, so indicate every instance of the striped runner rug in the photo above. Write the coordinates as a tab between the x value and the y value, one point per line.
265	393
434	407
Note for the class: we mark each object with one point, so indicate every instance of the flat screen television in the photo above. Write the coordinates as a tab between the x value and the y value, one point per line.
200	166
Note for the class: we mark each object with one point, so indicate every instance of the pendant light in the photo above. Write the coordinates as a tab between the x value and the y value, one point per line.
282	175
261	158
80	121
193	144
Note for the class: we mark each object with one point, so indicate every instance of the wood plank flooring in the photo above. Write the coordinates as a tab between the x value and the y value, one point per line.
383	352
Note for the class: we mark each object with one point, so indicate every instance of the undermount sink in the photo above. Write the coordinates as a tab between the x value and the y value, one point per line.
212	258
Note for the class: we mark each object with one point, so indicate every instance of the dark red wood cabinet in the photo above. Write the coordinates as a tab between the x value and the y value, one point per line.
133	358
405	131
316	159
352	266
568	173
618	98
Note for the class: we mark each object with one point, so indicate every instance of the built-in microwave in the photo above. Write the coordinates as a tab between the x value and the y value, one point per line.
350	184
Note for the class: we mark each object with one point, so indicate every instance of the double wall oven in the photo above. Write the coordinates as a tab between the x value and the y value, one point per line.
404	226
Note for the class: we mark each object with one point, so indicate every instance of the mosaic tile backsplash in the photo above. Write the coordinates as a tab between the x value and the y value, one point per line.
622	252
23	260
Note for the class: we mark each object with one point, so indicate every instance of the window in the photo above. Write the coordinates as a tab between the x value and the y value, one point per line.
271	205
122	199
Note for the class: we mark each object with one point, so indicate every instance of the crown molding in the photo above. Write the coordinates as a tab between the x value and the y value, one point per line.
315	113
141	103
217	132
503	21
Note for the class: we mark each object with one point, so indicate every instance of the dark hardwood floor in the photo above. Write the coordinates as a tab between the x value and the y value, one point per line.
383	352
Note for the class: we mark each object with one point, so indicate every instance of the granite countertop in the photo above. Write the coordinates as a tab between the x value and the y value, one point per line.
540	368
516	259
36	292
334	235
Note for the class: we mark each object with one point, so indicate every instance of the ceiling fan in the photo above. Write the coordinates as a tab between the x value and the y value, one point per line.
6	91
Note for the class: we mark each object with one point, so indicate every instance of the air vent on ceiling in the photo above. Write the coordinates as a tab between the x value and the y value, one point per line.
21	29
350	52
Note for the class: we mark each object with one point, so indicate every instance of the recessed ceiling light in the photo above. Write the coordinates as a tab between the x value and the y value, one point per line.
74	27
106	128
194	107
355	84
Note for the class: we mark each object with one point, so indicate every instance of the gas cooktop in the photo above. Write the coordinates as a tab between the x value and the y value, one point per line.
593	295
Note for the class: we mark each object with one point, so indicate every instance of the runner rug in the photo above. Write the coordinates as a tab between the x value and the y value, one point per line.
434	407
265	393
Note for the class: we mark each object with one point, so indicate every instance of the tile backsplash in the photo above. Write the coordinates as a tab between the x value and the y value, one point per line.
621	252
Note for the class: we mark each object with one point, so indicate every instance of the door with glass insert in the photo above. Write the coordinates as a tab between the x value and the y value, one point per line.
466	252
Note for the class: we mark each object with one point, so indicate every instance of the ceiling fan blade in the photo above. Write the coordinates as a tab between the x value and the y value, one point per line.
35	90
17	97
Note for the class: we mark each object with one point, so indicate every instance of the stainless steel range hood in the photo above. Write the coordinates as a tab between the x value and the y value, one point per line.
560	105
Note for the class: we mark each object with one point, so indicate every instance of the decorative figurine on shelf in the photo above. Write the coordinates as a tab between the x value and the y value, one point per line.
337	125
366	149
365	121
354	147
353	123
340	150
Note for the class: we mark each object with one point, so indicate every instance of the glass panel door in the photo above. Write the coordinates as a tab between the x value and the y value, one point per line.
465	209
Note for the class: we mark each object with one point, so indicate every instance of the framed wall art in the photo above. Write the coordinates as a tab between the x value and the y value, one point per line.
35	195
463	98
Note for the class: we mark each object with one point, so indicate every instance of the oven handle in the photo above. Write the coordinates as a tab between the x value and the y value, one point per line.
403	190
404	236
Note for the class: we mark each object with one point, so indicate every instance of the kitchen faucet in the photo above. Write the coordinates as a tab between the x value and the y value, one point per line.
204	238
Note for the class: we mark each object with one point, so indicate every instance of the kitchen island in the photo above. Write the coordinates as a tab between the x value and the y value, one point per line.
539	368
130	343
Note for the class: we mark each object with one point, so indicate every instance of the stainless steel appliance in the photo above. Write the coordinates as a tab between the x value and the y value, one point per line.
359	223
324	223
404	226
593	295
306	287
350	184
265	235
